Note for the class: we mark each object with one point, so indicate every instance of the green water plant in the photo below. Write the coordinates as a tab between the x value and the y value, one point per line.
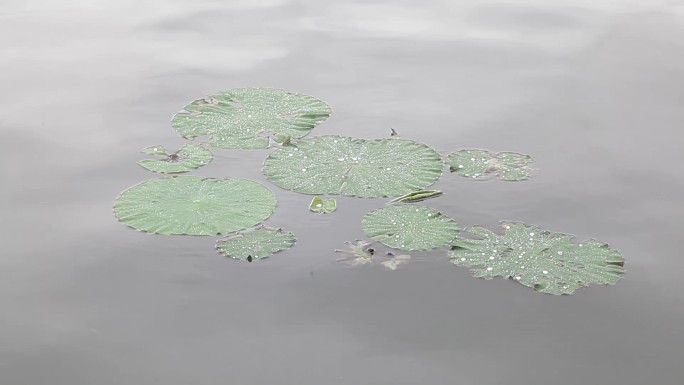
482	164
194	205
354	167
189	157
245	118
409	227
322	206
255	243
548	262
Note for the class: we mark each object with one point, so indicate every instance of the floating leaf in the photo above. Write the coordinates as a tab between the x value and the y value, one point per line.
189	157
324	206
245	117
548	262
194	205
396	261
154	150
416	196
255	243
354	167
482	164
410	227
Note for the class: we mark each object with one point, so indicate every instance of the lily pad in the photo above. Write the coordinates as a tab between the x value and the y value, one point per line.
189	157
548	262
482	164
325	206
410	227
194	205
354	167
256	243
244	118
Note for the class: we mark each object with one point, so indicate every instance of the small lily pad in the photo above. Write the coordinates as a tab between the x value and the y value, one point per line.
482	164
548	262
255	243
325	206
409	227
189	157
194	205
244	118
354	167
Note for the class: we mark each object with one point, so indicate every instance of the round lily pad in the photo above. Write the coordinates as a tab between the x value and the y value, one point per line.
354	167
194	205
482	164
244	118
548	262
256	243
189	157
410	227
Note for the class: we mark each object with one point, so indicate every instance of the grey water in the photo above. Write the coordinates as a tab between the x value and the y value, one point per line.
593	90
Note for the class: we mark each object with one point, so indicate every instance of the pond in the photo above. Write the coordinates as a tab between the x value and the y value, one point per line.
591	90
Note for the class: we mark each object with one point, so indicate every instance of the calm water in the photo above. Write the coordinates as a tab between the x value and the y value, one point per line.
592	89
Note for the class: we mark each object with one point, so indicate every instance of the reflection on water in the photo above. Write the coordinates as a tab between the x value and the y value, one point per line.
592	90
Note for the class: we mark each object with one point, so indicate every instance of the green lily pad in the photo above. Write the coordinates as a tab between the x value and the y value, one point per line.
244	118
194	205
409	227
354	167
325	206
482	164
189	157
548	262
256	243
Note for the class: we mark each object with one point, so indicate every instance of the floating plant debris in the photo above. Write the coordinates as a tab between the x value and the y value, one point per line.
416	196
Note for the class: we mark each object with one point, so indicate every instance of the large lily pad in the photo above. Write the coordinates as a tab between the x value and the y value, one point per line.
194	205
354	167
245	117
256	243
410	227
482	164
548	262
189	157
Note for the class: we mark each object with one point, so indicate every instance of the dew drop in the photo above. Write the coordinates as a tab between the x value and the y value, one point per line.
463	259
460	166
517	278
545	272
388	168
531	234
472	159
340	159
303	169
560	253
580	245
490	268
289	154
491	257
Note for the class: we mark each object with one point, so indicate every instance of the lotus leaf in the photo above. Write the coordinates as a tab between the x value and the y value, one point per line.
548	262
410	227
189	157
482	164
244	117
194	205
255	243
325	206
354	167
